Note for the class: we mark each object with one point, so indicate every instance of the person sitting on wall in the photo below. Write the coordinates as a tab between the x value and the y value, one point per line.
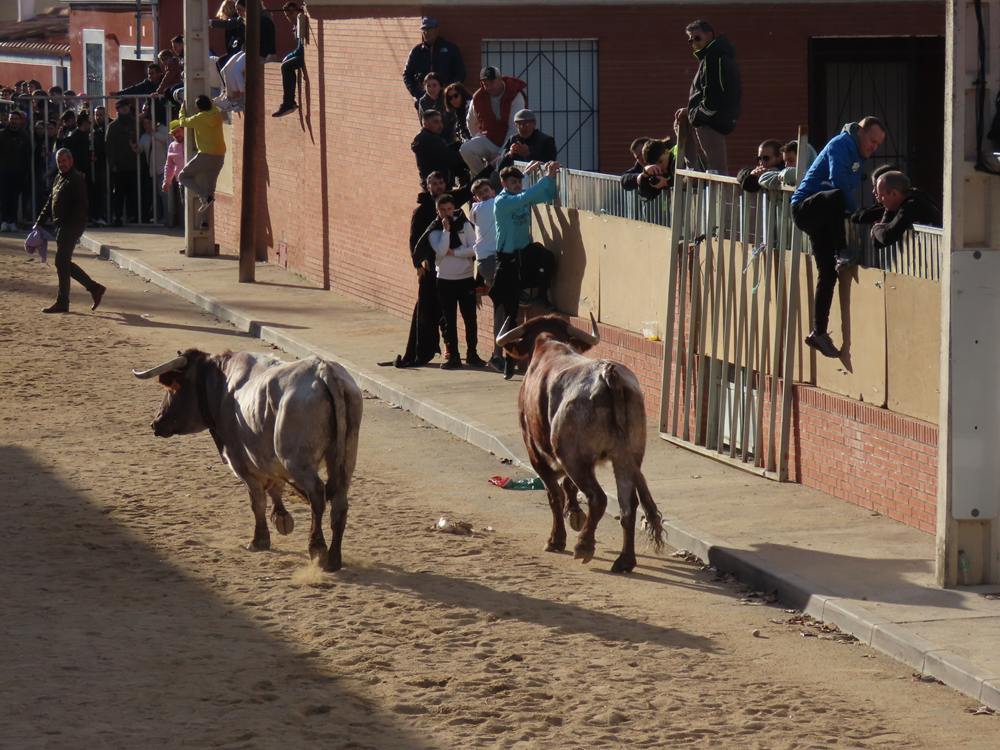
630	178
521	263
788	174
424	339
821	202
148	85
903	206
769	159
458	101
434	54
491	117
234	72
433	98
294	60
452	238
660	157
177	47
433	152
201	173
528	143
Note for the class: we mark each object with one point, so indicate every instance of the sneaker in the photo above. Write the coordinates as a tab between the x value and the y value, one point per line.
4	226
472	359
822	343
284	109
206	204
497	363
453	363
222	102
844	262
508	368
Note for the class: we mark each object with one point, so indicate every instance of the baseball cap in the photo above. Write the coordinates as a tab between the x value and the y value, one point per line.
524	115
489	73
428	22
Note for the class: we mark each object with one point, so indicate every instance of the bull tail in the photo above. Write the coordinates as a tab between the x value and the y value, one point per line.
619	405
346	400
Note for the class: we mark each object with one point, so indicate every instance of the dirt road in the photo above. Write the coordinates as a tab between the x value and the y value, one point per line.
133	617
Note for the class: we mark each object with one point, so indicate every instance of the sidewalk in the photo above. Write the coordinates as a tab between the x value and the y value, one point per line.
872	577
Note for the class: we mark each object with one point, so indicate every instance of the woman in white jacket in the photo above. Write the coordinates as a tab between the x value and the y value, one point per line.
453	239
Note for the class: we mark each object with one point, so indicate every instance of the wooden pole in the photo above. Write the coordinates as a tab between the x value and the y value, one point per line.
252	115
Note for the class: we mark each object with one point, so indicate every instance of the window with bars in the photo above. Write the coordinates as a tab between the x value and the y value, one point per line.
562	89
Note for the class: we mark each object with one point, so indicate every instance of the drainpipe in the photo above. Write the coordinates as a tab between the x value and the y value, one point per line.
138	29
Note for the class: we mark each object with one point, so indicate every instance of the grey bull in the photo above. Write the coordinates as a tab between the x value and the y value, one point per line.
274	423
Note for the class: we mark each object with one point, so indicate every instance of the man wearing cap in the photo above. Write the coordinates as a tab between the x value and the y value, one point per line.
528	143
433	55
491	117
67	207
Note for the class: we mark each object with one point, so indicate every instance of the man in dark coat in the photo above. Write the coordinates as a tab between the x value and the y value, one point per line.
120	148
427	323
15	168
904	206
67	207
714	101
432	55
433	152
528	143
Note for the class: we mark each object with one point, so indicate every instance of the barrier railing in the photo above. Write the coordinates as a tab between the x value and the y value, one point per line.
918	254
117	195
732	299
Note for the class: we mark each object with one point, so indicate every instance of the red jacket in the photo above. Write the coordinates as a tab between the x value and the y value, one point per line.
496	128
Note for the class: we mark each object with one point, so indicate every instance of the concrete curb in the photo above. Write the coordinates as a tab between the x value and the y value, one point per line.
753	569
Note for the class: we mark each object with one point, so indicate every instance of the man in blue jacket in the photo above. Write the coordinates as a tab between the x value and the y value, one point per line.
521	263
432	55
820	204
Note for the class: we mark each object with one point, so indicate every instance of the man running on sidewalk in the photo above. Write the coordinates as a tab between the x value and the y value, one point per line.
67	207
202	172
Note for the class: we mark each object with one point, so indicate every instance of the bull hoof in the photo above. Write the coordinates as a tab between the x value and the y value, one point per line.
576	517
554	546
318	555
333	563
584	553
623	564
283	522
259	545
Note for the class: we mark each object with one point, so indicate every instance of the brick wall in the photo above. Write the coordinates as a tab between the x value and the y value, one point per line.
11	72
340	179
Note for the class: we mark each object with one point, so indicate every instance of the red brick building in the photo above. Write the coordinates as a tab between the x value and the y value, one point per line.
35	47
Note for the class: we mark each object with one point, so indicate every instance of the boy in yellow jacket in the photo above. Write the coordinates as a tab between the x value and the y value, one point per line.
201	173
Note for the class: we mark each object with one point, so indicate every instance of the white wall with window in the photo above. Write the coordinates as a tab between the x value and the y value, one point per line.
93	62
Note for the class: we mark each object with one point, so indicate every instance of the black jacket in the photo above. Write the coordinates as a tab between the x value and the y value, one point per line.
434	153
236	31
541	147
78	143
145	86
630	179
916	209
423	215
15	152
67	205
716	90
443	58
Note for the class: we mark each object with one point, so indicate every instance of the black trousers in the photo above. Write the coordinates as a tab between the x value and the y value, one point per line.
424	340
821	216
460	294
123	195
11	187
288	69
66	239
533	266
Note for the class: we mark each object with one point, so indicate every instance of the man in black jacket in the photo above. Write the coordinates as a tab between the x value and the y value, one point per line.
714	102
528	143
904	206
15	166
432	55
67	207
433	152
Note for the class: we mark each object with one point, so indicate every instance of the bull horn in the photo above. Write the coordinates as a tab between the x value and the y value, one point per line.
592	339
177	363
506	337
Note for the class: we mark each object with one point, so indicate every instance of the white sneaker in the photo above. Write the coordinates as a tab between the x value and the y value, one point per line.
5	227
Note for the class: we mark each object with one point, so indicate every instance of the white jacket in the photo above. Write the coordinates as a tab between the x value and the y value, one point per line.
458	264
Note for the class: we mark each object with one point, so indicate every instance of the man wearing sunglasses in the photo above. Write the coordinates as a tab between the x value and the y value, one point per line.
714	102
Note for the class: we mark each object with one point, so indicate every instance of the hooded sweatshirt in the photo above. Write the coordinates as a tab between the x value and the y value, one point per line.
716	90
838	166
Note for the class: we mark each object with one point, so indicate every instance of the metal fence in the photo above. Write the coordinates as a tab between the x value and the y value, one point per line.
120	191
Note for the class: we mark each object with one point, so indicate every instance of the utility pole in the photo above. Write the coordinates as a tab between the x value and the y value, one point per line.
199	230
968	507
253	112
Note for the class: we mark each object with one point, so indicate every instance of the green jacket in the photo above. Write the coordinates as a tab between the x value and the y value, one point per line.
67	205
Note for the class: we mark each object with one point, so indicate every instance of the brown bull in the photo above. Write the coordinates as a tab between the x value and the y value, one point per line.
577	413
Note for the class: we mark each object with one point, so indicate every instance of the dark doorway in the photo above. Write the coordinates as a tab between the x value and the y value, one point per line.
898	79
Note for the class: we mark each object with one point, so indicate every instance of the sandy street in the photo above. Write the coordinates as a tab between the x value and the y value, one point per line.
133	617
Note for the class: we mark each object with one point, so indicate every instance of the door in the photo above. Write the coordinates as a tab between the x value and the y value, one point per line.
898	79
562	89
